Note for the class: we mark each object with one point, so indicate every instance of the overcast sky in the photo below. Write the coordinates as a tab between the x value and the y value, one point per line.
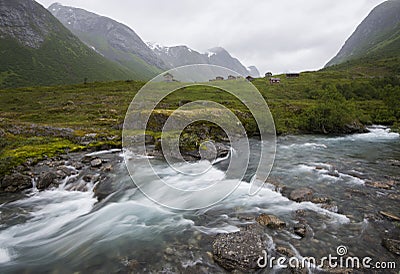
274	35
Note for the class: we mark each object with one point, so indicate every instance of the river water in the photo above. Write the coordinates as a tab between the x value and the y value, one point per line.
60	231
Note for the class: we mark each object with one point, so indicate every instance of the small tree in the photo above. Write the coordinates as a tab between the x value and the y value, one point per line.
392	100
332	113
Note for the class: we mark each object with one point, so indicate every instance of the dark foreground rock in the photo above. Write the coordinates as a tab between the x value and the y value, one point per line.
103	189
239	250
46	180
15	182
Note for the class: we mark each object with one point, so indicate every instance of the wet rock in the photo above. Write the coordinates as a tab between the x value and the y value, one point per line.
82	187
355	127
103	189
390	216
239	250
394	162
270	221
334	173
107	168
169	251
78	165
61	174
67	171
320	200
16	182
287	252
381	185
332	207
130	264
96	163
394	196
222	149
72	180
392	245
301	195
300	230
87	178
46	180
300	213
278	187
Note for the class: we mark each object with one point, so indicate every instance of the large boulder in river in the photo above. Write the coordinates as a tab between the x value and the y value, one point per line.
46	180
239	250
16	182
103	189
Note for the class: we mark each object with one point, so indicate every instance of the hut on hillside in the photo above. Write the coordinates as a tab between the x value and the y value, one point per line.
274	80
250	79
292	75
168	77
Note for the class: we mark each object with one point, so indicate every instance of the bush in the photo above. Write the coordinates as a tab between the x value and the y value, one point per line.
332	114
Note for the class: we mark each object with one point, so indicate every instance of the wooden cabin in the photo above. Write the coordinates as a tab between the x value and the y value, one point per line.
274	80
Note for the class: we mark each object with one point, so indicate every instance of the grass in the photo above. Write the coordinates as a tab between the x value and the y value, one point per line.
38	122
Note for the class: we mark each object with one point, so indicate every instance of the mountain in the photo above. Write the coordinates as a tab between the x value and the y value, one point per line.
253	71
376	38
36	49
113	40
182	55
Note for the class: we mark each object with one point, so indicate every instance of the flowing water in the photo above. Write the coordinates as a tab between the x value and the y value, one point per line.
60	231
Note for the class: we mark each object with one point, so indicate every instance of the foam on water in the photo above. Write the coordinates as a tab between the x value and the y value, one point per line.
48	212
101	152
375	134
304	145
4	256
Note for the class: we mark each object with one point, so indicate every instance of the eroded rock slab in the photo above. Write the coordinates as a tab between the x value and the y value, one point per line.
239	250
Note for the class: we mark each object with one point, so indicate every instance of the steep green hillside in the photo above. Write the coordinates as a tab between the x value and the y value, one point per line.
36	49
376	32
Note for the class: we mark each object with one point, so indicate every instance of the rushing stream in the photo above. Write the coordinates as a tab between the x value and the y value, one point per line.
62	231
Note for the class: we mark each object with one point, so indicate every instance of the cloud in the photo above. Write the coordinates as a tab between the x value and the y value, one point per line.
274	35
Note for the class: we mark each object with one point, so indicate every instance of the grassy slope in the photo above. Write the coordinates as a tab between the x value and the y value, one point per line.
100	108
